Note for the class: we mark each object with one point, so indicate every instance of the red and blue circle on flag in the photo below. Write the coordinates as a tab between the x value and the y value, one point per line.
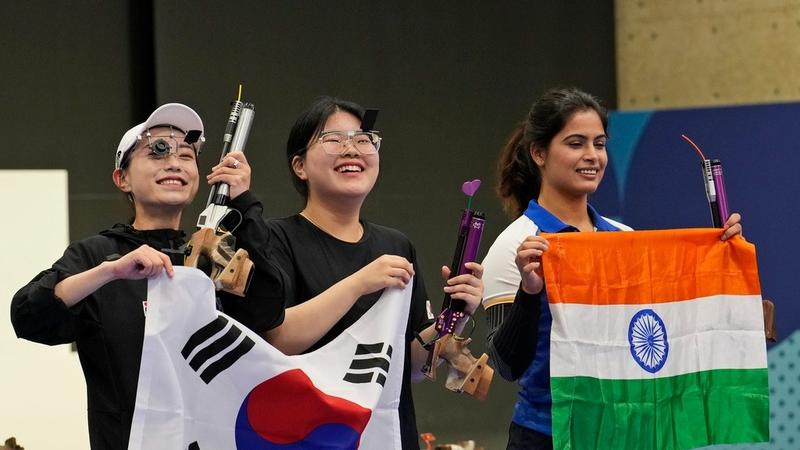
287	412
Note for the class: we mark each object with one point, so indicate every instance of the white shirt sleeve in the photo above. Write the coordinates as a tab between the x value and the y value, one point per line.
619	225
500	274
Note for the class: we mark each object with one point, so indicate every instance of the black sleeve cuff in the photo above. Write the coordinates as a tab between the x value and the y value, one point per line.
38	315
42	299
513	343
526	303
244	201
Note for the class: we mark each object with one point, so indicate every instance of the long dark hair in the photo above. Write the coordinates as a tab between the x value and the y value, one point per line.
308	125
519	178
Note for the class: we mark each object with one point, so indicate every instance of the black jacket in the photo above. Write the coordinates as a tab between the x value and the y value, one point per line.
108	325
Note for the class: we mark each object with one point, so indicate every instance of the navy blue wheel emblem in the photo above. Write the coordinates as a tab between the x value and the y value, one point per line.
647	336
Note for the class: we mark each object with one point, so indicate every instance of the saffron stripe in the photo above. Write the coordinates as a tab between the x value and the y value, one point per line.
646	267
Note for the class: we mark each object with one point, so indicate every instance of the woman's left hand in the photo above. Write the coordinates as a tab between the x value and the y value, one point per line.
732	227
234	171
467	287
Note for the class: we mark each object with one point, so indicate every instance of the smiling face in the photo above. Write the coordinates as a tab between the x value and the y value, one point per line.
350	175
158	181
575	160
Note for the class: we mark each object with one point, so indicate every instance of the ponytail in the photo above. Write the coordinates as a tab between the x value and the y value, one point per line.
519	178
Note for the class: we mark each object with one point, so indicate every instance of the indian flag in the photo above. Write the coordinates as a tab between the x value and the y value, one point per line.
657	340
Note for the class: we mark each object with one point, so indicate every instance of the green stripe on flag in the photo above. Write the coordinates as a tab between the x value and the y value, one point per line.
678	412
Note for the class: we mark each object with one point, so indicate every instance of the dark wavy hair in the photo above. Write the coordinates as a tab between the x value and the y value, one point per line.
308	126
519	178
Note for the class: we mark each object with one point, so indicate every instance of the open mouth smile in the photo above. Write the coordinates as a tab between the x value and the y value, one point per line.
172	181
349	168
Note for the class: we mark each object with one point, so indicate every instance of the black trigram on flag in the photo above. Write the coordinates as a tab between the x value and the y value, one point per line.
370	363
221	346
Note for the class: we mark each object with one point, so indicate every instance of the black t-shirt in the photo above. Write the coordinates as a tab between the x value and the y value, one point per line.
314	261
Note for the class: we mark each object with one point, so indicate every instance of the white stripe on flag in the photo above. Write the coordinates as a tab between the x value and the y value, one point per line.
717	332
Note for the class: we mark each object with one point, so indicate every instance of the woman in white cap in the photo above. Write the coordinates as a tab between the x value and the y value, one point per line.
96	294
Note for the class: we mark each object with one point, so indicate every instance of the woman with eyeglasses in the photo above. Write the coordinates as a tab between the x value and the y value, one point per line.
337	263
95	295
551	164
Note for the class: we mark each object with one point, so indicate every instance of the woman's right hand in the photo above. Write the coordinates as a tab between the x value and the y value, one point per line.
234	171
529	263
144	262
385	271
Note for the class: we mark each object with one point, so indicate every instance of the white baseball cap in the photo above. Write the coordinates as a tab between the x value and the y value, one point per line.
174	114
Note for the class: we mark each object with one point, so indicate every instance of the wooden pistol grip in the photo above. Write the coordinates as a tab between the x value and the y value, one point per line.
467	374
478	380
203	241
769	320
438	347
230	269
235	277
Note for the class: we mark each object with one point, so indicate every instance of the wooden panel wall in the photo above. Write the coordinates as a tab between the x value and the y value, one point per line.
685	53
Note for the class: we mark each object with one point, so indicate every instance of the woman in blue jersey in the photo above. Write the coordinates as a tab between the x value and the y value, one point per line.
551	164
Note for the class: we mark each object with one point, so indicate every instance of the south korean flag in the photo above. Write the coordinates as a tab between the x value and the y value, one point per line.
208	383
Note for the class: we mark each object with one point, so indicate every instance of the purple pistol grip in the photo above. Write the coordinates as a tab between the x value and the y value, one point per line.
473	242
722	197
469	238
470	253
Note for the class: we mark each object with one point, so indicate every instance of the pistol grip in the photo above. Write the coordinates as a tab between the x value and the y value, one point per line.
231	271
236	276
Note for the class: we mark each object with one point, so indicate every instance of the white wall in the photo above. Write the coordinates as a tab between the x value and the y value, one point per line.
42	389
